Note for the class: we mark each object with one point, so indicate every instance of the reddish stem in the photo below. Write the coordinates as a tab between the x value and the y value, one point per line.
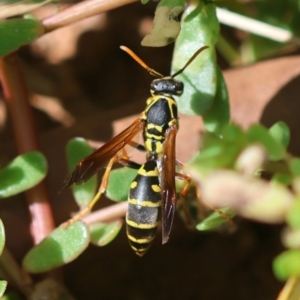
26	139
80	11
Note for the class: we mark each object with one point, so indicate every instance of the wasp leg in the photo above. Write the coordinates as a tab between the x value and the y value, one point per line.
224	215
184	191
103	186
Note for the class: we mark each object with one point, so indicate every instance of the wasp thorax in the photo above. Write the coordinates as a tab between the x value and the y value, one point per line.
166	85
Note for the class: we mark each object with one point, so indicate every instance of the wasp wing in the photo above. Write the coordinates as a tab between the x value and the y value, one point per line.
89	165
168	183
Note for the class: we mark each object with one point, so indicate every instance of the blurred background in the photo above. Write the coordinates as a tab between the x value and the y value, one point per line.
82	84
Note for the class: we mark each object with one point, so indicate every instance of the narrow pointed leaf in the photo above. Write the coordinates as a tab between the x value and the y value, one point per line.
103	233
60	247
24	172
77	149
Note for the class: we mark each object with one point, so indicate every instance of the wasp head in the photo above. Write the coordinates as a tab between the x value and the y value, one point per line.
166	85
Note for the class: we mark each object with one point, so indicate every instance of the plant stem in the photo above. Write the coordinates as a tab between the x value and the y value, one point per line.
107	214
80	11
26	139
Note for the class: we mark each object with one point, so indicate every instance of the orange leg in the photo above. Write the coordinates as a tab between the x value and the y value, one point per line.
184	191
103	186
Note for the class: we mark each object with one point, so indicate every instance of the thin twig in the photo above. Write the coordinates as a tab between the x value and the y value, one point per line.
80	11
107	214
254	26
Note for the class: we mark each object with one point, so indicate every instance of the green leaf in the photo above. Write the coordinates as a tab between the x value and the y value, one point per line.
77	149
294	165
287	264
166	26
12	295
200	27
144	1
103	233
60	247
217	152
24	172
259	134
2	236
281	133
215	220
219	115
119	183
18	32
281	178
3	285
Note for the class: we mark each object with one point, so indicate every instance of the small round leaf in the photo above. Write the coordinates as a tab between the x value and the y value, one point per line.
287	264
281	133
77	149
60	247
103	233
24	172
259	134
119	184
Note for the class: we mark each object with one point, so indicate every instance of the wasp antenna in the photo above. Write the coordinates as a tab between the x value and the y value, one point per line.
140	62
189	61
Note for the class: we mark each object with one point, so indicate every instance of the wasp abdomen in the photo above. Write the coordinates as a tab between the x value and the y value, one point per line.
144	206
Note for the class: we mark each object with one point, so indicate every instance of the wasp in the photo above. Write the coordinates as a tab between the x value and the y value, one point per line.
152	193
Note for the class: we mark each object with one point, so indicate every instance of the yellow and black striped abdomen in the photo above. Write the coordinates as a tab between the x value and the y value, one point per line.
144	206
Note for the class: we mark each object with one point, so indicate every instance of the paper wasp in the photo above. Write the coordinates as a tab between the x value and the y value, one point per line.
159	125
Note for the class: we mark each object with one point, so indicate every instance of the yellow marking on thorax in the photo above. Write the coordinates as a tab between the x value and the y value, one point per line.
171	103
152	100
157	127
